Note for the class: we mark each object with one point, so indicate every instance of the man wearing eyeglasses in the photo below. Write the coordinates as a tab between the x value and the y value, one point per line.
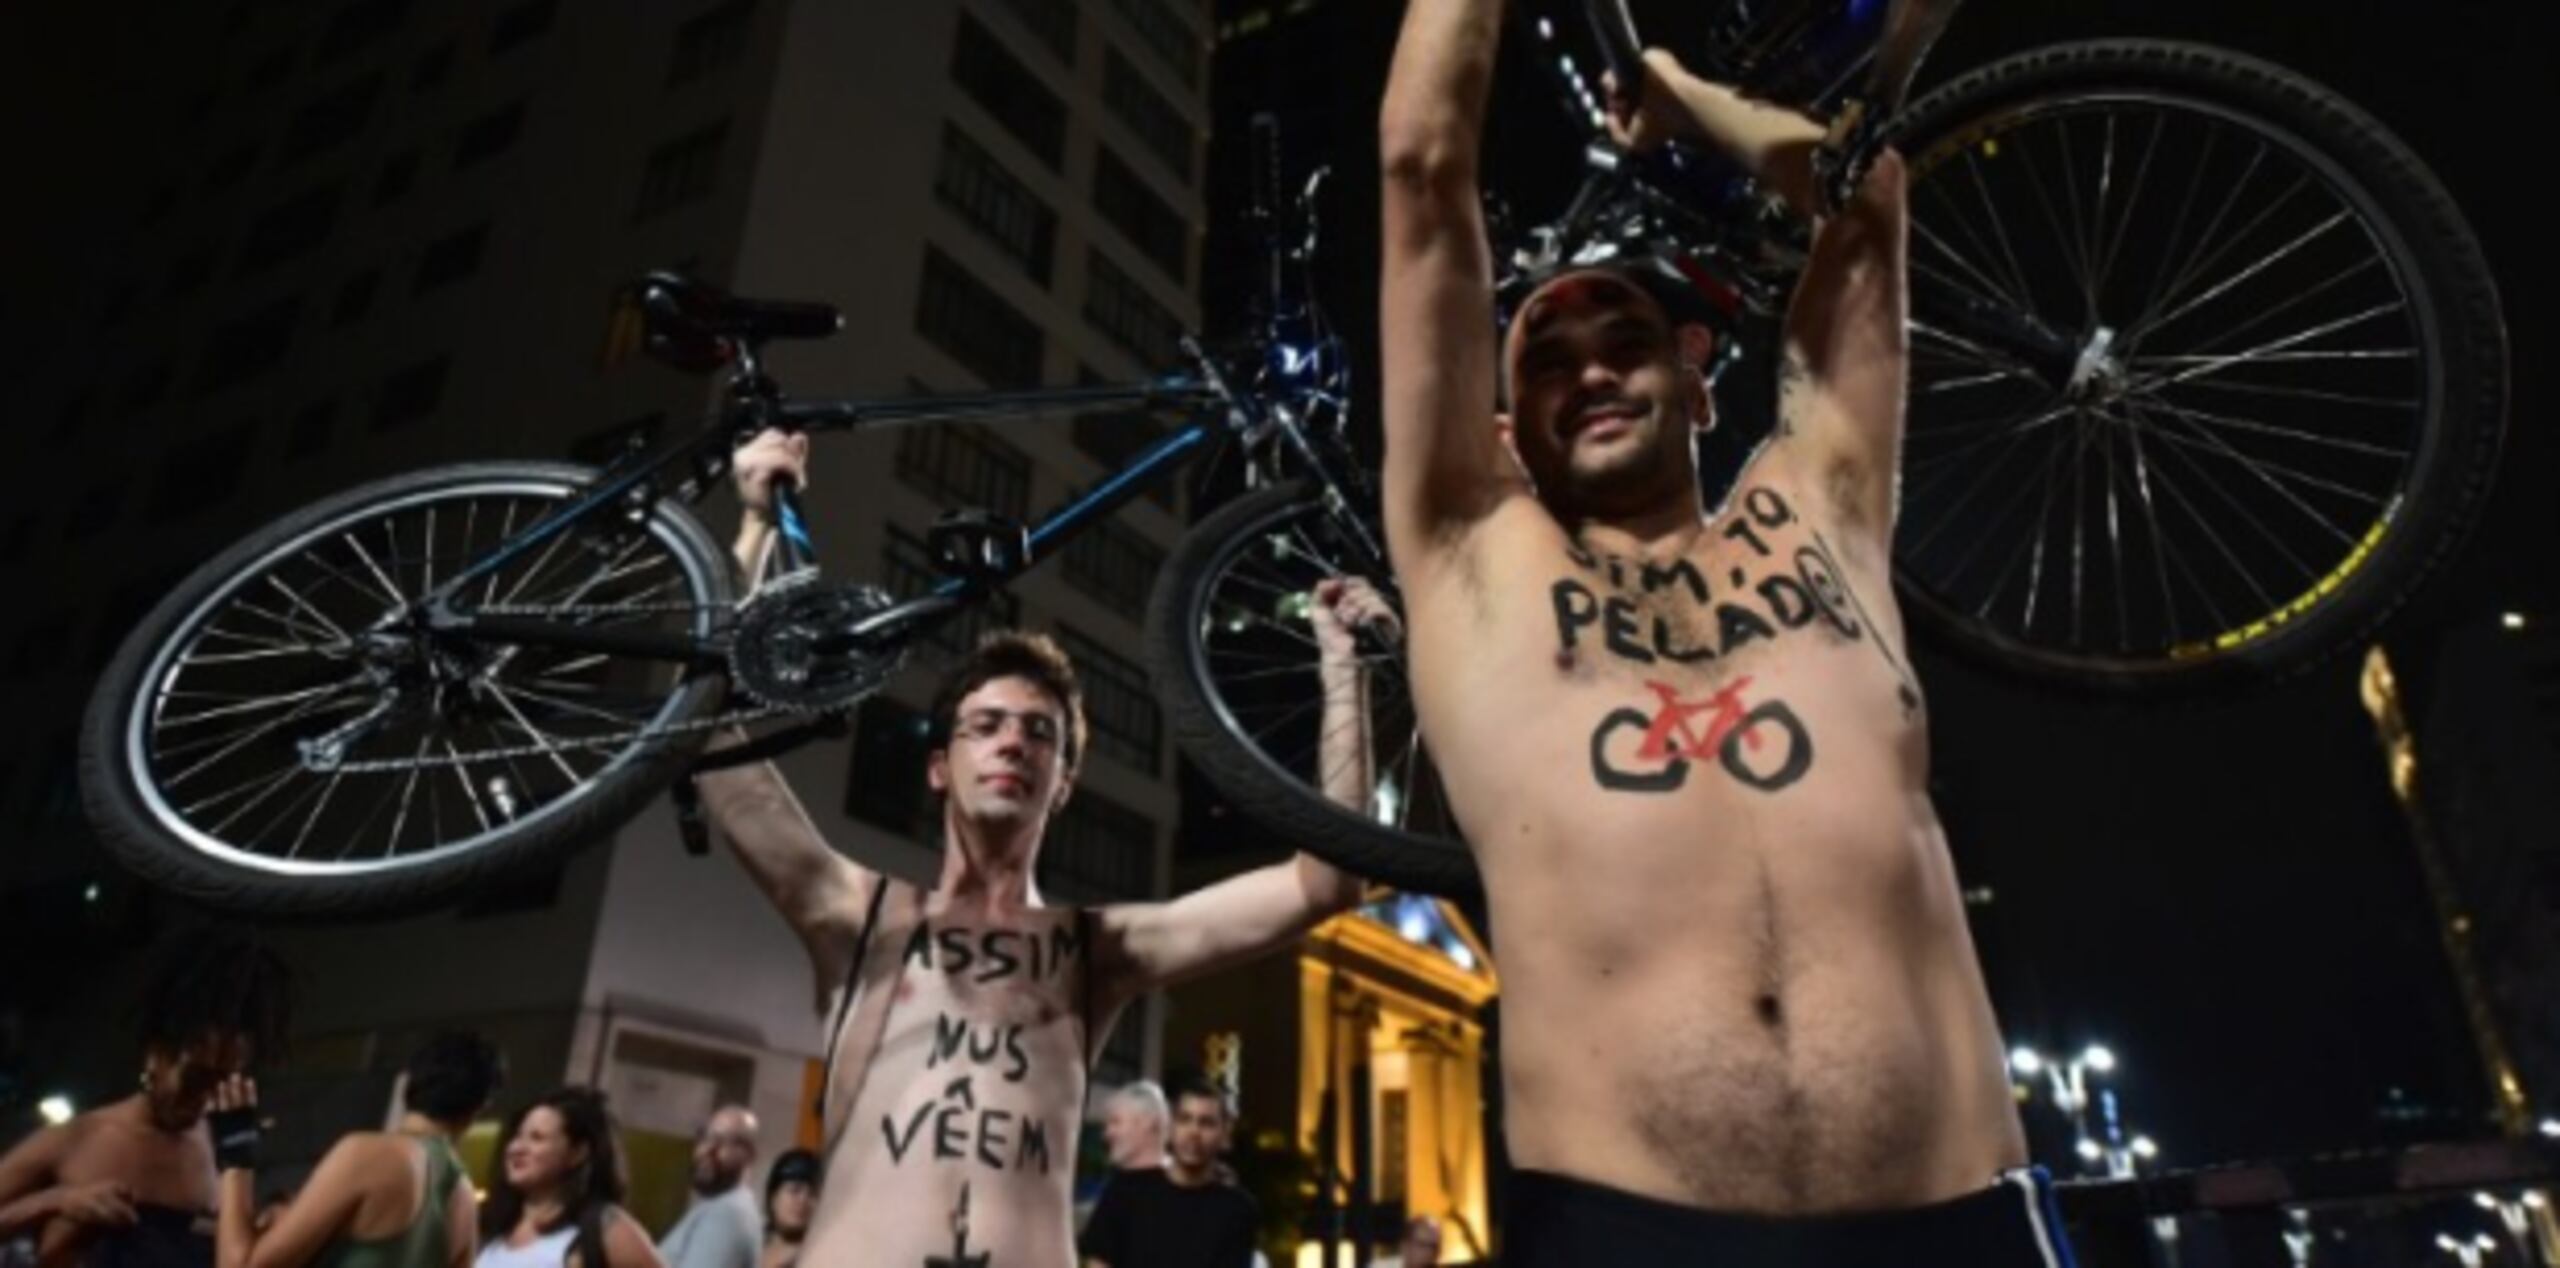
723	1228
969	1012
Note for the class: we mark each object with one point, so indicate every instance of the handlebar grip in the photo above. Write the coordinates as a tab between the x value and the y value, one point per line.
1615	29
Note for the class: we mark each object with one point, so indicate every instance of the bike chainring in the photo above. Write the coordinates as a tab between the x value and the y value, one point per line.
775	651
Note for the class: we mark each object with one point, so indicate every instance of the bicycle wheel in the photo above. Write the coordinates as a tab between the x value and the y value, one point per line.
1236	670
460	761
2291	387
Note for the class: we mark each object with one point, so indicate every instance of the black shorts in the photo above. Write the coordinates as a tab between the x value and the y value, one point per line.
1554	1222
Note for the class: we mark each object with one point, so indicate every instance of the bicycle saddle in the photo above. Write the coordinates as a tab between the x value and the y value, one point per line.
693	325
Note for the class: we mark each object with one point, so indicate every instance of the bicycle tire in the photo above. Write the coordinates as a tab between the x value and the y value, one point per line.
2458	438
138	838
1243	771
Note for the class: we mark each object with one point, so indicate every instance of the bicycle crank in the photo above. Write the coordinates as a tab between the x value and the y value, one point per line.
788	651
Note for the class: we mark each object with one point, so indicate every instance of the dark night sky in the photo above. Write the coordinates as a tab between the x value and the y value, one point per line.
2225	894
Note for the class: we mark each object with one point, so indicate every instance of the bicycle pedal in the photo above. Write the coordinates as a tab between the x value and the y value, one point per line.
976	543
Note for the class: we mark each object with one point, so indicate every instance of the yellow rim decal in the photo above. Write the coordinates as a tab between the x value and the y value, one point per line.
2271	622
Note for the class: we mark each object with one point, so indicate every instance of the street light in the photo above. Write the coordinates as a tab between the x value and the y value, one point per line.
2144	1148
55	1109
2024	1062
2470	1250
2090	1150
2099	1059
2516	1217
2551	1127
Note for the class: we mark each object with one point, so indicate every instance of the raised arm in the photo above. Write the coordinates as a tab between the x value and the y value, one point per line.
1446	468
820	893
1151	944
321	1212
1847	349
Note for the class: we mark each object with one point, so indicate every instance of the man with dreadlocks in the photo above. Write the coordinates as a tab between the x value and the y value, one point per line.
131	1184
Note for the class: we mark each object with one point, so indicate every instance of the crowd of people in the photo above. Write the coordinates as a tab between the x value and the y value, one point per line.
170	1176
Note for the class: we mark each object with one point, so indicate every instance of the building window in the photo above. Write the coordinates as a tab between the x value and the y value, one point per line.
1156	229
308	435
1165	33
521	23
399	173
886	785
203	473
432	68
328	120
1054	21
1119	307
681	170
409	394
248	346
289	229
973	183
908	571
1115	565
1115	437
356	25
1098	850
234	165
450	258
1007	91
1117	703
966	466
355	298
708	41
1394	1117
967	320
1157	122
488	136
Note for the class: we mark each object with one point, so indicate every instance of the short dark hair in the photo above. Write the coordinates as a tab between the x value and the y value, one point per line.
218	981
1035	658
1192	1086
452	1076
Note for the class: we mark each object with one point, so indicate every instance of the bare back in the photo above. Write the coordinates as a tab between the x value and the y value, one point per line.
1697	791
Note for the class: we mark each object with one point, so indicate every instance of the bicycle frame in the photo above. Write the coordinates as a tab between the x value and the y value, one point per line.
630	486
1807	51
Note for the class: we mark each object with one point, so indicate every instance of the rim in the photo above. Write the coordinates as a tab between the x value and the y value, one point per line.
269	660
2248	413
1253	649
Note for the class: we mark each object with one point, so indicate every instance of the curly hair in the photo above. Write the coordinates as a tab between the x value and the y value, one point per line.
218	981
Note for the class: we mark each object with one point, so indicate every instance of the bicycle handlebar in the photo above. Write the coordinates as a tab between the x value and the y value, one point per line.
1615	29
